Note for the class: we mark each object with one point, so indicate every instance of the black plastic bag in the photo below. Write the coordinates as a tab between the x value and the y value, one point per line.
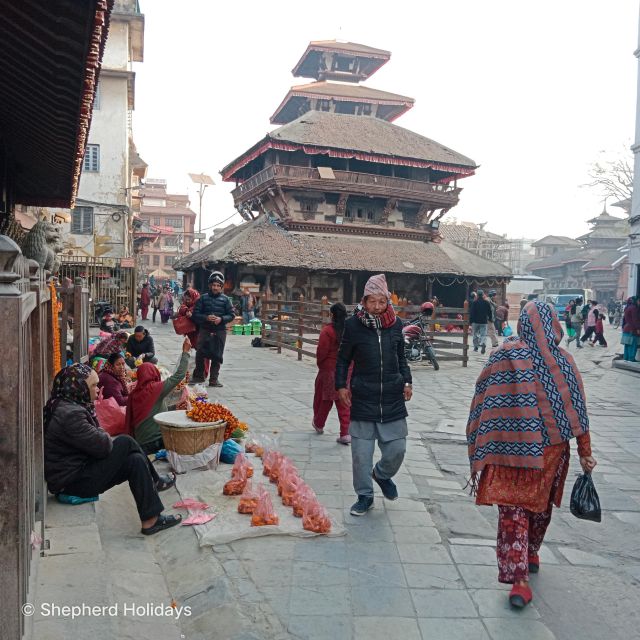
585	503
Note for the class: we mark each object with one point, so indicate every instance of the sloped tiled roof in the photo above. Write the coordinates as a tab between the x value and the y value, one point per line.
360	134
604	261
556	241
262	243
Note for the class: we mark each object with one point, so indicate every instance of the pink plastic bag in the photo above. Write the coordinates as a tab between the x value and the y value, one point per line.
191	503
287	469
249	498
198	517
290	486
110	415
300	497
241	463
315	517
264	513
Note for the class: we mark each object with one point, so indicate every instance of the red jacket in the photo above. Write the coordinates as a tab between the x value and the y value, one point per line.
327	351
145	297
631	323
112	388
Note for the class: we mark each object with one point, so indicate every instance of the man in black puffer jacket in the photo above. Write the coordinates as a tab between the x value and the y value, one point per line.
380	387
140	345
211	313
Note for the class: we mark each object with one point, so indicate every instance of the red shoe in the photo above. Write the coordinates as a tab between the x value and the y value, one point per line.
520	596
534	564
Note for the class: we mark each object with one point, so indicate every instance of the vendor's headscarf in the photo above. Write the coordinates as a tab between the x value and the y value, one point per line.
121	376
112	344
528	396
70	385
145	394
376	286
190	297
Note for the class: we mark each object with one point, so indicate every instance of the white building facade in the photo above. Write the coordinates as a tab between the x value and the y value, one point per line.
100	225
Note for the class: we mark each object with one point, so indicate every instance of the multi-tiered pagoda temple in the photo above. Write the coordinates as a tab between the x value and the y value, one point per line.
339	192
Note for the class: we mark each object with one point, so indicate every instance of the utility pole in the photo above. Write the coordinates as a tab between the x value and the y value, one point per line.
203	181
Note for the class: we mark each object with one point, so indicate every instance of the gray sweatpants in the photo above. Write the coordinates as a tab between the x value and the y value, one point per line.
392	443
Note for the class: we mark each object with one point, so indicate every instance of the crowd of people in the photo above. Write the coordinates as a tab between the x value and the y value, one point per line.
529	403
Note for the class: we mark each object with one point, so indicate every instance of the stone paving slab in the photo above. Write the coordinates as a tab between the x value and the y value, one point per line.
422	567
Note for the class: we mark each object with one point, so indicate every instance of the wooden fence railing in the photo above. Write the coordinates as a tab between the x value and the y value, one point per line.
26	336
294	323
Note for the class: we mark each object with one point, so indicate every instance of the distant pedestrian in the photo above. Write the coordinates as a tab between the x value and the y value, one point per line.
576	323
589	315
145	301
491	326
598	335
380	387
165	305
480	315
518	434
325	395
501	317
631	329
247	305
212	312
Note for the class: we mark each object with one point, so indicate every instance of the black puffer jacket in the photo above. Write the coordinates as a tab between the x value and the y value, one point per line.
137	349
208	305
70	441
379	374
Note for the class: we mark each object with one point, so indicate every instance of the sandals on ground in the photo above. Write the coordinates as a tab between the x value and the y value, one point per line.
163	522
165	482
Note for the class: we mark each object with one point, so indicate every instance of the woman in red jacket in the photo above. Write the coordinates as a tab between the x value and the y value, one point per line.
113	380
325	393
189	299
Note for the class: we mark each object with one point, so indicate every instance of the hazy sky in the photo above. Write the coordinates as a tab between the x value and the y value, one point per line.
534	92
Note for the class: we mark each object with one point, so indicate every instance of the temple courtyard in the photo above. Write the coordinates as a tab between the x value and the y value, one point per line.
421	567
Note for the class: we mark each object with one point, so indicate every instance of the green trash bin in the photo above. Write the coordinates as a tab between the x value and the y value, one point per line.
236	330
246	329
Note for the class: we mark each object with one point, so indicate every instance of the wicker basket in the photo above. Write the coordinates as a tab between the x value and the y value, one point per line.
192	440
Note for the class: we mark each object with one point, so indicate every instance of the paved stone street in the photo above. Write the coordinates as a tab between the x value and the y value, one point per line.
421	567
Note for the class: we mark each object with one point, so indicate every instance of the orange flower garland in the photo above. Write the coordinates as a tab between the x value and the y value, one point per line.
55	329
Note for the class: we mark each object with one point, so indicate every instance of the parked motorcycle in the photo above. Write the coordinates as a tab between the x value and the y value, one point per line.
417	344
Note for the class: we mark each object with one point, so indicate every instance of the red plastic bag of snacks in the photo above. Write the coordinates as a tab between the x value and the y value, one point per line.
289	487
315	517
249	498
278	459
287	469
303	493
267	461
264	513
236	485
240	463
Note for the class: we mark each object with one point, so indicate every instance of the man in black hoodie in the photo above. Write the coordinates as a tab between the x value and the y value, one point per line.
480	315
140	345
211	313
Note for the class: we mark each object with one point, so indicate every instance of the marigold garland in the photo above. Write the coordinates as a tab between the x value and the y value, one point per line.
55	329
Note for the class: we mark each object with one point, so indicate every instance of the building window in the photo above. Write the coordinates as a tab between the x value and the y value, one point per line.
92	158
176	223
156	261
362	212
156	221
168	260
171	241
323	105
82	220
145	260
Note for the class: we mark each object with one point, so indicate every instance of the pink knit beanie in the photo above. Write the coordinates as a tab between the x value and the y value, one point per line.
377	285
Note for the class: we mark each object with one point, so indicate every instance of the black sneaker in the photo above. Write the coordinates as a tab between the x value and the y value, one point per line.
193	381
389	489
216	383
362	506
475	348
483	348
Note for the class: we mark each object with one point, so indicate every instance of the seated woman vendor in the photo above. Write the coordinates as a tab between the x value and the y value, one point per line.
114	381
149	398
81	459
125	319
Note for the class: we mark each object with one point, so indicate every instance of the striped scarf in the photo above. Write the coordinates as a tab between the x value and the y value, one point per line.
383	321
528	396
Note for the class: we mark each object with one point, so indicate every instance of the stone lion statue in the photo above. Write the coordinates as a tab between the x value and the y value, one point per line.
42	244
